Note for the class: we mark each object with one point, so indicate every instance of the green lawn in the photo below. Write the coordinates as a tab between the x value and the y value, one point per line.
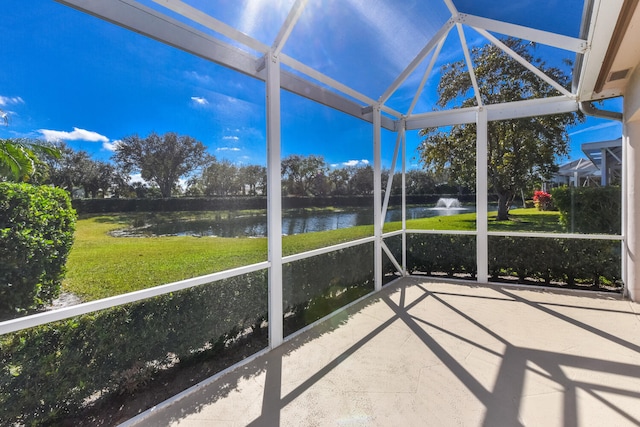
100	265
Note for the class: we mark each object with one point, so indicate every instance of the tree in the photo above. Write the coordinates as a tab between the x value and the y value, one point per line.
220	179
76	169
420	182
20	159
520	151
161	160
253	177
361	182
301	174
339	180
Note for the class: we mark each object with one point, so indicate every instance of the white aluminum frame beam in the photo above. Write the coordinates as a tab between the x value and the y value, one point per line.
392	170
482	180
377	198
274	202
38	319
506	111
146	21
404	198
557	86
559	41
287	27
426	75
470	67
196	15
431	44
200	17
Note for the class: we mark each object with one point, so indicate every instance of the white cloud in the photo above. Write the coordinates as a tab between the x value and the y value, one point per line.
362	162
110	146
76	135
199	100
200	78
136	177
227	149
8	100
229	137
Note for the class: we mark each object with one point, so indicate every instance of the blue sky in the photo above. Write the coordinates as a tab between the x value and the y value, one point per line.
66	75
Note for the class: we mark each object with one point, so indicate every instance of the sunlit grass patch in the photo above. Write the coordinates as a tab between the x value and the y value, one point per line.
101	265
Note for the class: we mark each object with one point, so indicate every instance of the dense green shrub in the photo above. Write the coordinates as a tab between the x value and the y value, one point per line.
49	371
544	260
589	209
314	287
36	234
449	254
566	261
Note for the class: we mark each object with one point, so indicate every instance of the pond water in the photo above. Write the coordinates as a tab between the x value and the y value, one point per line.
294	221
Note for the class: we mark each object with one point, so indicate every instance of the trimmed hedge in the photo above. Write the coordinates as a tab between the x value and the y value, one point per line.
448	254
561	261
314	287
36	234
568	262
589	210
48	373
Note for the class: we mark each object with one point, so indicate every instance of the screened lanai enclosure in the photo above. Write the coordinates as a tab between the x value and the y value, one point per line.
376	81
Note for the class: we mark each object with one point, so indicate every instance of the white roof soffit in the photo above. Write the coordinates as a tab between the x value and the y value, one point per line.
141	19
598	26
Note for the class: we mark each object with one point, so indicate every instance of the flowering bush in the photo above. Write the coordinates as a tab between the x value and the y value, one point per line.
542	200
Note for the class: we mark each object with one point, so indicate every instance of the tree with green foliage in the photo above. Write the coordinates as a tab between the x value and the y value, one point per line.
220	179
74	169
521	152
161	159
300	174
253	179
361	182
21	159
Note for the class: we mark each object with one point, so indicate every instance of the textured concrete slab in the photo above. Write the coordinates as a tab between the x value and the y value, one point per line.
424	353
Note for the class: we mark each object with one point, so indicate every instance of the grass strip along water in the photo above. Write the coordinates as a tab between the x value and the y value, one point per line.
101	265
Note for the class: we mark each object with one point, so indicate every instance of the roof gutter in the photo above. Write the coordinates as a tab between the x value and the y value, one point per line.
589	109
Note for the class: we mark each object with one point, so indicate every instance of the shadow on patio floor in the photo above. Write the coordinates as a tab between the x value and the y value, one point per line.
426	353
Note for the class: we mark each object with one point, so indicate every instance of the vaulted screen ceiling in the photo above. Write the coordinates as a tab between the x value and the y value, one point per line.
354	54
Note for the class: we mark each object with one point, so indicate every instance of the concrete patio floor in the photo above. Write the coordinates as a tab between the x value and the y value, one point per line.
425	353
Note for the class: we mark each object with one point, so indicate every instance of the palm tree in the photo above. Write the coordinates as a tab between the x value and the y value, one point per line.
20	159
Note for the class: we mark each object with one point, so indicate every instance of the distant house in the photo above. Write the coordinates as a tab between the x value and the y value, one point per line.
602	166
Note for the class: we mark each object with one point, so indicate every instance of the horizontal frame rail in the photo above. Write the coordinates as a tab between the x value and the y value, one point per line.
327	249
557	235
38	319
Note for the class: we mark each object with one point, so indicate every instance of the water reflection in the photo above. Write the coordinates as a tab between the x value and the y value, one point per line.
294	221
